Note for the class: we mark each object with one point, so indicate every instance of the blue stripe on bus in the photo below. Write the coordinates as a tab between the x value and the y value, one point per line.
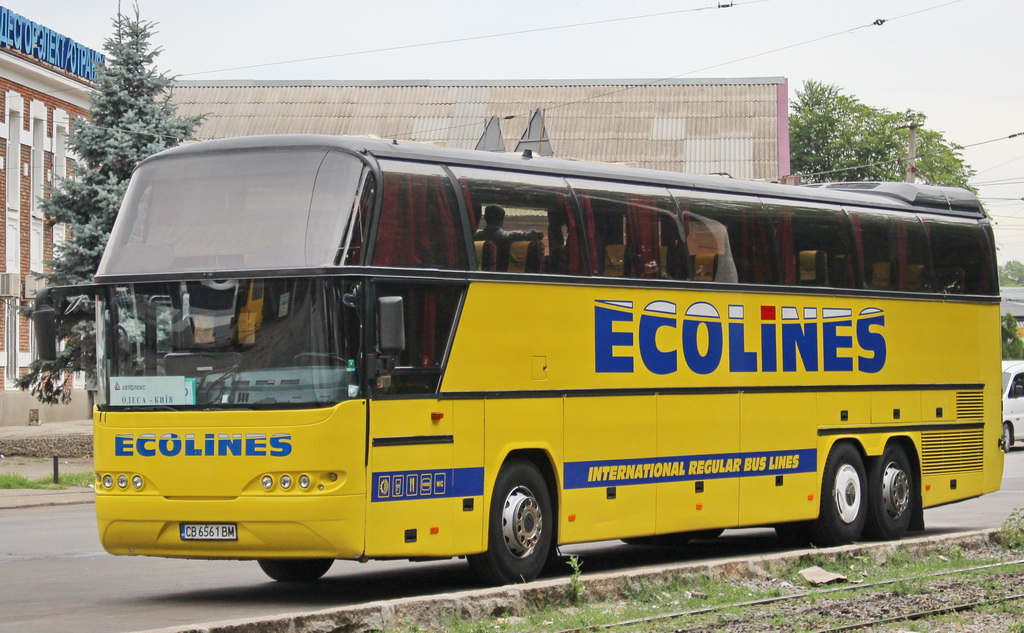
649	470
406	485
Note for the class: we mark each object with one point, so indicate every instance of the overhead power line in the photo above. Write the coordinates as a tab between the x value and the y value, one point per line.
472	38
878	22
896	160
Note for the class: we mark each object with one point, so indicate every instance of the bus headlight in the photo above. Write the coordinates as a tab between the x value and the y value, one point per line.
137	482
303	481
286	481
108	481
122	481
268	482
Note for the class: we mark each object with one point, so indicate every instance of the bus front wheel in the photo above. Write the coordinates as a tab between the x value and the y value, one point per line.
890	495
295	569
520	526
843	506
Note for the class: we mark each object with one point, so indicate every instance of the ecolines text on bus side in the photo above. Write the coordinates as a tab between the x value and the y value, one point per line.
773	339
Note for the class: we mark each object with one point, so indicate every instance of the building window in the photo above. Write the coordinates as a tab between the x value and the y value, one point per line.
11	339
13	160
37	166
36	245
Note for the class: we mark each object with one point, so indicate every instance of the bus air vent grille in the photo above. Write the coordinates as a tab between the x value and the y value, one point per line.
956	451
970	405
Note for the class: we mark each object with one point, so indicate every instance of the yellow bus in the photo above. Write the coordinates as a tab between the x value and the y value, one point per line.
471	354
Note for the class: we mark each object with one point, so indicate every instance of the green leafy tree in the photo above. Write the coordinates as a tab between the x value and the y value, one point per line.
1013	346
131	117
1011	274
837	137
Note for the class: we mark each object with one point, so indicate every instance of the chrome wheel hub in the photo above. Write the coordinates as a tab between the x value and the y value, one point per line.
847	493
895	490
521	522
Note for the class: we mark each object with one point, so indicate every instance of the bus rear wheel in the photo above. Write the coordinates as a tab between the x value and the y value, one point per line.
843	508
890	495
520	527
295	569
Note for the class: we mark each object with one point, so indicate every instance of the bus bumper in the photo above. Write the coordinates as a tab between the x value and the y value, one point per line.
325	527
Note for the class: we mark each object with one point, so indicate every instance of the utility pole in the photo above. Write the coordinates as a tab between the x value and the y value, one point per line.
912	154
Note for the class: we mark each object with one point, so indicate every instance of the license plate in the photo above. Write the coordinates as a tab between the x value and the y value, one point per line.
209	532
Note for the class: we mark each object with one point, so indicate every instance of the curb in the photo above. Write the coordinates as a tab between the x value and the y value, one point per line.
30	498
434	612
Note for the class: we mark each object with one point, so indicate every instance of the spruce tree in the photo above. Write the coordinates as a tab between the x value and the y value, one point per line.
131	118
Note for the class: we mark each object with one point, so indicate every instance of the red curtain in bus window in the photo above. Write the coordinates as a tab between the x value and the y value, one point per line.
424	318
441	225
643	251
474	213
417	226
784	236
396	230
858	241
577	257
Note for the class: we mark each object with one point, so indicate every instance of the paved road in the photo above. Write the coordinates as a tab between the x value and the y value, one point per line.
54	576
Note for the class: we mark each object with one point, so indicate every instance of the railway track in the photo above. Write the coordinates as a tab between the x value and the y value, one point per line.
804	608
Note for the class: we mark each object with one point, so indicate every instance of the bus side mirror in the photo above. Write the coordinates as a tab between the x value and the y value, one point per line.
391	332
44	324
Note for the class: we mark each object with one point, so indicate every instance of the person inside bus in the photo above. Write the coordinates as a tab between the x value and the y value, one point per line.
494	217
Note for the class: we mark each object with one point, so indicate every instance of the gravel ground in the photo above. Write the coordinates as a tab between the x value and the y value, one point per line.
822	613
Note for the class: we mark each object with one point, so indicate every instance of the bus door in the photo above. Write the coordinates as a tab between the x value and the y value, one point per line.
417	492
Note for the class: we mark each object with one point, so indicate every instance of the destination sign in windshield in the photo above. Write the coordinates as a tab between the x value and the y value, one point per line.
139	391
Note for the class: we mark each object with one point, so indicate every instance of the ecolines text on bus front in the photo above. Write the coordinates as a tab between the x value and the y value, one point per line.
772	339
209	445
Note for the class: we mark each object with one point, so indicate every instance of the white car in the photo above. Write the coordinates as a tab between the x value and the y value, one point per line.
1013	400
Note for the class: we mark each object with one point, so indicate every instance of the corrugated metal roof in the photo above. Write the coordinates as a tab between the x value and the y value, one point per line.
701	126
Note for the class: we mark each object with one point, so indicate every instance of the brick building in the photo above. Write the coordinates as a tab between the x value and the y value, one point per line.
45	81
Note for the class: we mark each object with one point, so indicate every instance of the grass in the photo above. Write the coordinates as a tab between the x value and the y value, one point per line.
10	481
672	595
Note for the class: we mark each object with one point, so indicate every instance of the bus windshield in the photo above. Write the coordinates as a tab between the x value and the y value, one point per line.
236	343
233	211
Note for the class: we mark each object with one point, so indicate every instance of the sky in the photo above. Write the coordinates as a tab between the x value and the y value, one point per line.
959	62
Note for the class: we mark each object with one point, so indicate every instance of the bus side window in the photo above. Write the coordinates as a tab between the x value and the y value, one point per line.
429	311
873	233
331	206
351	251
419	224
728	238
961	256
894	250
521	223
633	231
914	265
815	245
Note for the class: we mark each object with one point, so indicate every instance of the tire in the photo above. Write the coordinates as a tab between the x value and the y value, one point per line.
890	496
793	534
843	505
520	527
295	569
1007	437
